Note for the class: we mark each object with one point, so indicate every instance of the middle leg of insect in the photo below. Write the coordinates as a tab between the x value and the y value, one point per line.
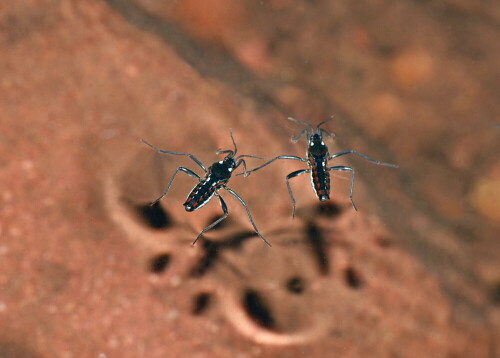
216	178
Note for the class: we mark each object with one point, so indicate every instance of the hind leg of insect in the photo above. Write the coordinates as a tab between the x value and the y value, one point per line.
196	160
362	156
185	170
290	176
344	168
224	209
248	212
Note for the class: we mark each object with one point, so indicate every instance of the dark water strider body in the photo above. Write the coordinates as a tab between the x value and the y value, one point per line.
317	158
216	177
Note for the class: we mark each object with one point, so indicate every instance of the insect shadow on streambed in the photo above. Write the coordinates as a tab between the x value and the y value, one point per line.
216	178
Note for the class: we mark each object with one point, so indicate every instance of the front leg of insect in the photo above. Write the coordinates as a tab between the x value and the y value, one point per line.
216	177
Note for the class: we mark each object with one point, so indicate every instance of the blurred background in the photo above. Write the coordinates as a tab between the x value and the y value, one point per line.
89	269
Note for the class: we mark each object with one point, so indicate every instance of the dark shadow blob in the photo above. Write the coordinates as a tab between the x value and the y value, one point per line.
352	278
154	216
211	253
295	285
495	294
318	245
235	241
257	310
212	249
383	242
328	209
15	350
159	263
200	303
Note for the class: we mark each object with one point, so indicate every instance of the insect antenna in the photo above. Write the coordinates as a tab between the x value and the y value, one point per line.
235	149
295	139
304	123
325	121
231	152
322	131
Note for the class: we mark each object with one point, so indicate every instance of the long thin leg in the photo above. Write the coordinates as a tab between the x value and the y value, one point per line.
185	170
249	156
272	160
224	208
248	212
234	143
344	168
232	152
220	151
296	139
176	153
242	161
290	176
329	135
362	156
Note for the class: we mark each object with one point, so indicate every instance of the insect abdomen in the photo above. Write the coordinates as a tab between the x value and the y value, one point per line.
200	195
320	178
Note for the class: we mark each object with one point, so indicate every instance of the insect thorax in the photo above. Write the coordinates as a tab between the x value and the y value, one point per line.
318	149
221	170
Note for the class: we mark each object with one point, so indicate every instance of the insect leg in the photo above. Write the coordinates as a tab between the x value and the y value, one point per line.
231	152
224	208
185	170
344	168
196	160
290	176
220	151
272	160
248	212
249	156
362	156
329	135
296	139
238	163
